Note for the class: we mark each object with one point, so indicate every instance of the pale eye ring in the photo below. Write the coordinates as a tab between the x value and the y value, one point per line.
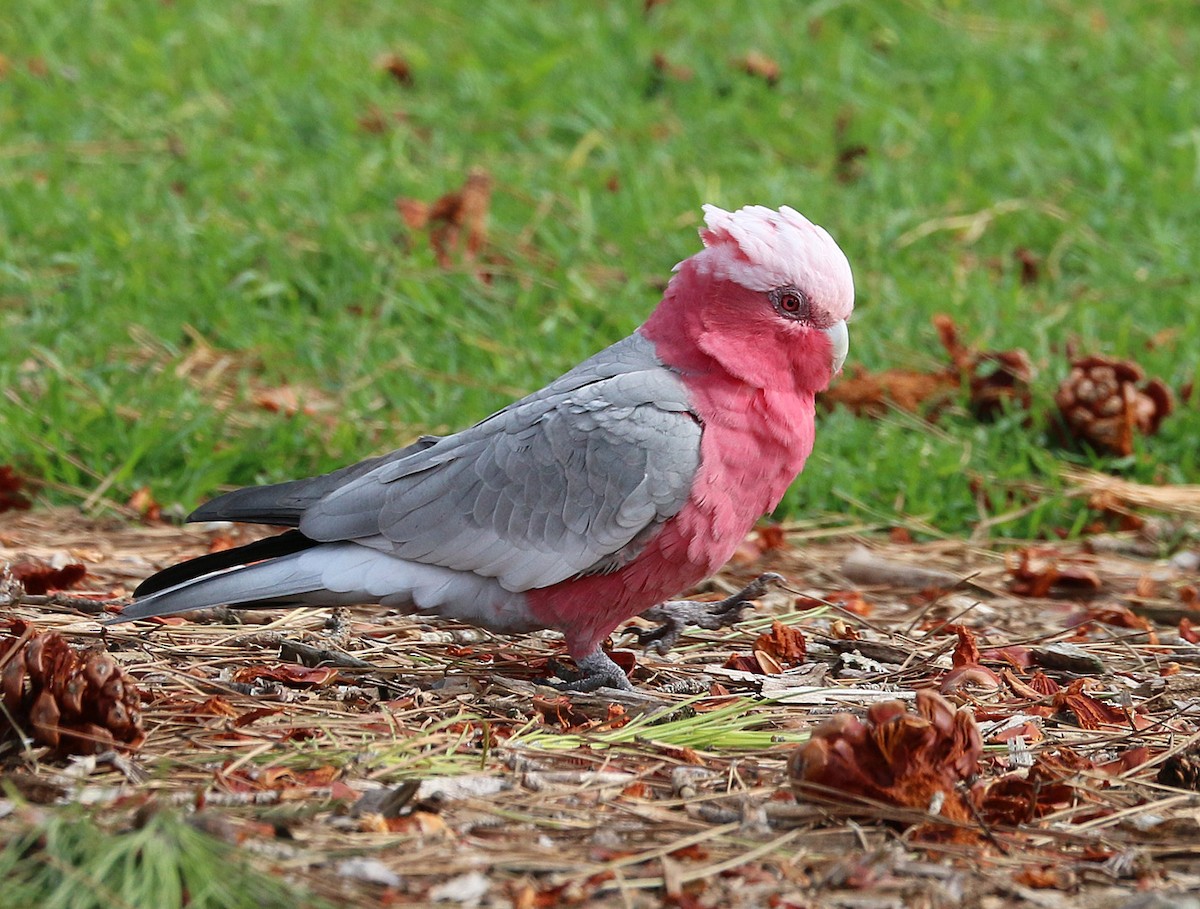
792	304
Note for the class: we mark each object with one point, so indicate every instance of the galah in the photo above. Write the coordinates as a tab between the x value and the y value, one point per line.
628	479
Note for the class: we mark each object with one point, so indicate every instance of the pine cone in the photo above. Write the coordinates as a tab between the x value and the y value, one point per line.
74	702
1181	770
895	756
1101	403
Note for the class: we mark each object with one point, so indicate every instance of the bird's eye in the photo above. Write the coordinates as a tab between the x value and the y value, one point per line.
792	304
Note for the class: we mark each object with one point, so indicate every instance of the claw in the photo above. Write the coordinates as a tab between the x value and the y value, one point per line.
596	670
678	615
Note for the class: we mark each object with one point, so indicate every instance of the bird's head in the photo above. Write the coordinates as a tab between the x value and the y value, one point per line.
768	298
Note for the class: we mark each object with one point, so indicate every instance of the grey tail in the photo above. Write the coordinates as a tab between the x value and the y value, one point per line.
287	543
284	504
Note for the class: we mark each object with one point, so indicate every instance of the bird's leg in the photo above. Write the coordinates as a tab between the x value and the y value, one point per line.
596	670
676	615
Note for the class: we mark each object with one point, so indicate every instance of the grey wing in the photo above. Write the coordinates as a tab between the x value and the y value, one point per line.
547	489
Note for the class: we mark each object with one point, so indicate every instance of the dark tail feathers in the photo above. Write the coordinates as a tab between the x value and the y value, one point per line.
270	548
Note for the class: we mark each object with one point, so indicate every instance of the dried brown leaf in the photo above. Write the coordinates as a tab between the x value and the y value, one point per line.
1089	712
785	643
395	66
873	394
12	486
460	213
755	63
291	674
995	379
38	577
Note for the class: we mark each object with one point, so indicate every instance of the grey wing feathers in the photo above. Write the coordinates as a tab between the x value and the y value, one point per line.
550	487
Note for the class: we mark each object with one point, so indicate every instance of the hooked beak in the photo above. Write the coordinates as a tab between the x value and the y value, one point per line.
839	341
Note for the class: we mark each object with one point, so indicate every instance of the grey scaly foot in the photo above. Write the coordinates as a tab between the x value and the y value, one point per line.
677	615
596	670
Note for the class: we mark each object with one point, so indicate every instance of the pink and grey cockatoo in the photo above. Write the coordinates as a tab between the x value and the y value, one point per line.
628	479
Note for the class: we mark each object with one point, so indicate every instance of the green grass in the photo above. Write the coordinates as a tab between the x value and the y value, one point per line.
65	859
177	168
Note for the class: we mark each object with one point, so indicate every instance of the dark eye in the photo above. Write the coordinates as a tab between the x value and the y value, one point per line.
792	303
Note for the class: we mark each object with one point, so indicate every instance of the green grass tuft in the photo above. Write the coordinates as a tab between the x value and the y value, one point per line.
66	860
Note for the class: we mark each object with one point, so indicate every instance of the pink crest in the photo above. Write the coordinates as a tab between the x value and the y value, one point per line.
761	249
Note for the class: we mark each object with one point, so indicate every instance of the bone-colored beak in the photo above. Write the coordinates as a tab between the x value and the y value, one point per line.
839	340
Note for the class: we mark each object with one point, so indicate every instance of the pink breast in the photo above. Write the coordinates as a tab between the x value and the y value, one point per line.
754	444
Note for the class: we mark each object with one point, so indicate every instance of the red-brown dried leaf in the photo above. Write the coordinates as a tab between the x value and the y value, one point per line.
216	706
966	651
1129	759
617	717
671	70
1046	877
995	379
755	63
396	67
413	212
1019	798
842	630
896	756
967	672
291	674
458	213
12	485
1044	685
562	712
1019	687
1188	631
1118	616
1041	571
626	660
253	716
874	394
851	601
143	502
742	663
1015	655
291	400
970	676
785	643
1089	712
38	577
1031	265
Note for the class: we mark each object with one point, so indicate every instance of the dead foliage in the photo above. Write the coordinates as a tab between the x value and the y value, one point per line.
994	380
1103	402
664	68
37	576
385	760
397	67
455	219
756	63
12	490
1042	571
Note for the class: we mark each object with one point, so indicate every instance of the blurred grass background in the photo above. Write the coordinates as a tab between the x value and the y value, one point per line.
197	208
